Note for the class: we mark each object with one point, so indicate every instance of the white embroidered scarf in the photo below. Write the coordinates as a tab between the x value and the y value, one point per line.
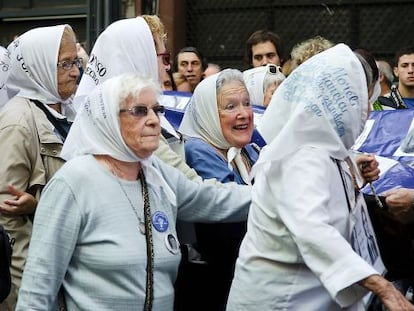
125	46
34	57
323	103
5	67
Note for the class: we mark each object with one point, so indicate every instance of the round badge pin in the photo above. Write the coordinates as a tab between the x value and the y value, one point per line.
160	221
172	244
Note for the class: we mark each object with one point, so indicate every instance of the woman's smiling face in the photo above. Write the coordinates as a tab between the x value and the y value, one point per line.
236	114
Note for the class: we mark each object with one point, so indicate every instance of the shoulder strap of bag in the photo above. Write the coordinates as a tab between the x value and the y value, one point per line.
396	97
255	147
343	183
56	123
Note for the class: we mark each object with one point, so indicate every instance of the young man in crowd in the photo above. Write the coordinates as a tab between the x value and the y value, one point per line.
264	47
404	71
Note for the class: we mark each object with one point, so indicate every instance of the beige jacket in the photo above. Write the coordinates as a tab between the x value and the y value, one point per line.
29	157
165	153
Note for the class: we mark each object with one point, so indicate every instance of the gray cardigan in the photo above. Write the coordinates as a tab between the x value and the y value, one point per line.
86	236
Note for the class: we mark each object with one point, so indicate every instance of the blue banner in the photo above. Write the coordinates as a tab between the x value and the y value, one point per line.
382	136
389	129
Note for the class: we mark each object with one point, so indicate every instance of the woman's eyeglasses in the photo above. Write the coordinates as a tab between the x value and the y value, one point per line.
142	111
68	64
166	57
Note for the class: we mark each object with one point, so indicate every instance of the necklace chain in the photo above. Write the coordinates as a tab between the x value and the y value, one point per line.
141	223
144	227
114	168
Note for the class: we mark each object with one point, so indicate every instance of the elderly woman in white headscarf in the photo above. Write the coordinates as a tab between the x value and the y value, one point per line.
219	124
125	46
105	226
262	82
305	246
134	45
33	125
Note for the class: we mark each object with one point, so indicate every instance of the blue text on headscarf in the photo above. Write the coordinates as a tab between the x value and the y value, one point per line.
336	96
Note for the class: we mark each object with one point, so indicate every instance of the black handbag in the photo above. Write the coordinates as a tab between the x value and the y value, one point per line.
395	240
5	262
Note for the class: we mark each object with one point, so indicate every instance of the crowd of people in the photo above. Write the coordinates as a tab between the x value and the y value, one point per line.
107	204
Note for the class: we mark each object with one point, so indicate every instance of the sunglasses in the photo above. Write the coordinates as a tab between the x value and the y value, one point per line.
273	69
166	57
142	111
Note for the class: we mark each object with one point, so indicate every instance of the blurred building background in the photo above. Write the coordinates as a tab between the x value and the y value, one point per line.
219	28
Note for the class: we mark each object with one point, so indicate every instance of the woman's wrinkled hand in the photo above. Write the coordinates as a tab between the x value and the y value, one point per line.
400	203
368	166
391	297
24	203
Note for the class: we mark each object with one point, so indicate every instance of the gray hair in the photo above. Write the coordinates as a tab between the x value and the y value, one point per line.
131	85
227	76
385	69
68	36
367	69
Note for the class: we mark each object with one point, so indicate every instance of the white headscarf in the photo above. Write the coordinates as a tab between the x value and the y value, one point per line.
34	57
320	104
5	67
125	46
201	120
96	131
255	78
